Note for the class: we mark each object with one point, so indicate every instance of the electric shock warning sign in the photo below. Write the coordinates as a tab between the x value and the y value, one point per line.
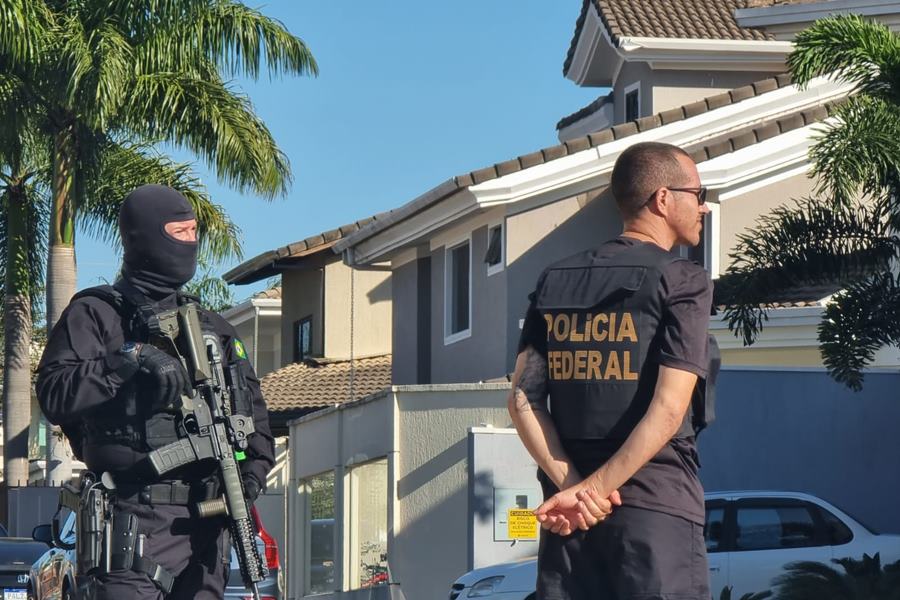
521	524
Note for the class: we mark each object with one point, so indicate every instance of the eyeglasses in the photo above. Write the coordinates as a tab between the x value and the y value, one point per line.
700	192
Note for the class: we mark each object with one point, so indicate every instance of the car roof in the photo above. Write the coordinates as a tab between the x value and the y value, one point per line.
739	494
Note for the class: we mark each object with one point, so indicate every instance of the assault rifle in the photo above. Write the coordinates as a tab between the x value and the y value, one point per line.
213	429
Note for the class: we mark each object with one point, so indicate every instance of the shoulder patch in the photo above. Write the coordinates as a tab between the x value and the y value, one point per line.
239	349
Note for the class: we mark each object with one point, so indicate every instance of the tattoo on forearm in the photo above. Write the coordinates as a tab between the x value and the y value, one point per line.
532	382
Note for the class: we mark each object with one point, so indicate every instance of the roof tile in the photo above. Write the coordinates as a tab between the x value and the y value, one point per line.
601	137
743	140
485	174
554	152
671	115
317	383
507	167
791	122
624	130
718	101
651	122
717	149
767	131
765	85
694	108
578	144
532	160
742	93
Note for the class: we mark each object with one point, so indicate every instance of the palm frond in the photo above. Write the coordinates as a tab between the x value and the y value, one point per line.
810	580
23	27
31	279
124	167
858	322
233	36
849	47
852	157
104	87
203	114
798	251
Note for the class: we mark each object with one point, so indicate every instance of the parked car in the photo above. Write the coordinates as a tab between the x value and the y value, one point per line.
16	556
750	537
54	576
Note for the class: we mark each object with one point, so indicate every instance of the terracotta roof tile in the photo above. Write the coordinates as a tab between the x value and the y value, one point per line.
697	19
318	383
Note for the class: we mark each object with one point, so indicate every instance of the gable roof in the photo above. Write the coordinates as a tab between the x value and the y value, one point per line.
267	264
301	388
708	149
685	19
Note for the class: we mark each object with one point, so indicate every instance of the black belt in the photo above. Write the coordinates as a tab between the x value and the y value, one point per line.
177	493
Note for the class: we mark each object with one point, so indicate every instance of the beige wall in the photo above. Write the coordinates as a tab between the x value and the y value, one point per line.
301	296
371	291
740	213
431	530
782	357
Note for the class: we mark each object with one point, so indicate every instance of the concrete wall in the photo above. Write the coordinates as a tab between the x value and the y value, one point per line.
739	213
799	430
371	292
431	539
482	355
302	295
411	333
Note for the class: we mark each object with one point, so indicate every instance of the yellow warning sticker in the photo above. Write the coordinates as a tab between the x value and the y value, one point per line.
522	524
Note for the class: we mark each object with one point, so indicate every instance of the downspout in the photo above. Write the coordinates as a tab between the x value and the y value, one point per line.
255	336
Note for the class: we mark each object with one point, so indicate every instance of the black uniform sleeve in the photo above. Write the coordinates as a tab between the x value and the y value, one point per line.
78	370
534	327
261	451
687	298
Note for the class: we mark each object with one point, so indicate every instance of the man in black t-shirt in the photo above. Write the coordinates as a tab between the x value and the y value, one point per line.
617	337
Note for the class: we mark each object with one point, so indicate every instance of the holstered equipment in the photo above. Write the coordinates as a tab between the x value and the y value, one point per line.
108	540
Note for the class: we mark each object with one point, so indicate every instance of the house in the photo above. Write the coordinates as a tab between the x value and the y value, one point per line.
257	321
464	256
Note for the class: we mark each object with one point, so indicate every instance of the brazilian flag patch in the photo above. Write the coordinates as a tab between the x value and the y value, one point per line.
239	349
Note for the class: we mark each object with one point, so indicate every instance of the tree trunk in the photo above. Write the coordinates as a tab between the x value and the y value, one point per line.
17	342
61	273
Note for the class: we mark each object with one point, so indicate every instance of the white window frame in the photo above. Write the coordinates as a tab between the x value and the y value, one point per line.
452	338
352	520
628	89
494	269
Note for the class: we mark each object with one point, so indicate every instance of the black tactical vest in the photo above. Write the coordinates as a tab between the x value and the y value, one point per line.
603	314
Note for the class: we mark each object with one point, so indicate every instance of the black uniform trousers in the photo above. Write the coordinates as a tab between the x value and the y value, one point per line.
635	554
196	551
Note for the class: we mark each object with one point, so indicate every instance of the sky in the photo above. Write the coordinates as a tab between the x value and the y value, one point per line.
409	94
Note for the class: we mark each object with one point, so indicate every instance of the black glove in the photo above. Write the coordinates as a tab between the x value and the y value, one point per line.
169	380
252	488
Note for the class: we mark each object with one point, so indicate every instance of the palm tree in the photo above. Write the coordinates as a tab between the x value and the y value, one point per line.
860	580
844	238
148	70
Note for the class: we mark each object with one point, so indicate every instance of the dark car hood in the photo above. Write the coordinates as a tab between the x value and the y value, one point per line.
18	551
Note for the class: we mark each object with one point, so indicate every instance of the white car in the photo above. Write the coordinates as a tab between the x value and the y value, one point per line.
750	537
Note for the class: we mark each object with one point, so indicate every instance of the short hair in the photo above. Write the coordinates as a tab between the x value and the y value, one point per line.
641	170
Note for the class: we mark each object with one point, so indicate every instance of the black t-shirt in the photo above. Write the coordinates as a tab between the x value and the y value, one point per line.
669	482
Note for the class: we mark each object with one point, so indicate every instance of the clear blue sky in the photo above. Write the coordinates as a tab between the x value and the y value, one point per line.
410	93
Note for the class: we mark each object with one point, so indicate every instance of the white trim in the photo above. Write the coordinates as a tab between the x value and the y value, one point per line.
589	170
463	227
628	89
452	338
494	269
246	310
782	14
713	240
785	328
593	34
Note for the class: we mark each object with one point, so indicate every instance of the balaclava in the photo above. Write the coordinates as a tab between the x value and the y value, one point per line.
154	261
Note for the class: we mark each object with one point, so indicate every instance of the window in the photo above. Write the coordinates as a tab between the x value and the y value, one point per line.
633	101
835	531
368	524
457	300
320	533
303	339
768	527
494	255
714	530
699	252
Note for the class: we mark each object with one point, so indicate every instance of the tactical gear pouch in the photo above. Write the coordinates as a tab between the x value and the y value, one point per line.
703	402
161	429
121	546
581	287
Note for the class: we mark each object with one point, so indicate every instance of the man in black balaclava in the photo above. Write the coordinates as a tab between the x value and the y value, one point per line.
112	393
